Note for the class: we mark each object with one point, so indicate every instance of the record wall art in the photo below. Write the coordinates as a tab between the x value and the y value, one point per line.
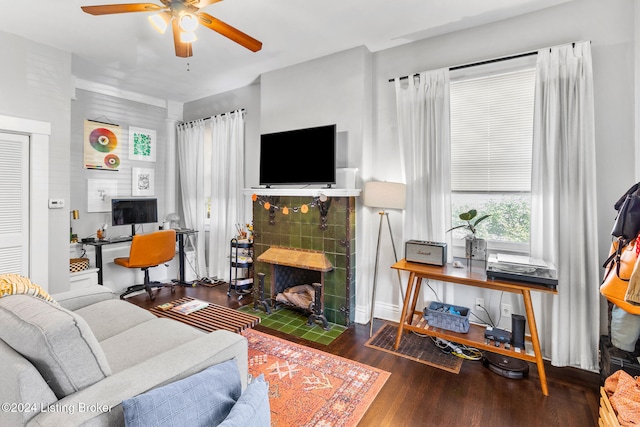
102	145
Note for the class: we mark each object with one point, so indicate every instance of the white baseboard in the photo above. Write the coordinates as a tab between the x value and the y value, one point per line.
383	311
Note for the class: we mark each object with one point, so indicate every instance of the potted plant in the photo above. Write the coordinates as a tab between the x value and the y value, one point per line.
474	248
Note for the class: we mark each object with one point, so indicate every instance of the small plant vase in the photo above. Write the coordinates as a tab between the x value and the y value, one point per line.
475	249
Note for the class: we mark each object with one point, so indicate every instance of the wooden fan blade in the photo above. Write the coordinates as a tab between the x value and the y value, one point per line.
229	32
183	50
205	3
109	9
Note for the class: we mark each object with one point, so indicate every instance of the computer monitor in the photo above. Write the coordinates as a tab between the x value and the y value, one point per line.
134	211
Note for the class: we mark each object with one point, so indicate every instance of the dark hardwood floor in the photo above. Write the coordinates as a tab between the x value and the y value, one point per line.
420	395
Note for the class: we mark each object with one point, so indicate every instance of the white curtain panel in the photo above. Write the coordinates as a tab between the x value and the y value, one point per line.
191	172
563	210
422	103
227	181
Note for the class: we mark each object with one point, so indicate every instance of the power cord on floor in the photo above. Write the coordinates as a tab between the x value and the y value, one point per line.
458	350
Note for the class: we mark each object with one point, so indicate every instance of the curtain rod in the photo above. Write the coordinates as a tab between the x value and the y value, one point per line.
210	117
491	61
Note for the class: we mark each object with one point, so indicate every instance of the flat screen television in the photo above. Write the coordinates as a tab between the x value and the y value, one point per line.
302	156
133	211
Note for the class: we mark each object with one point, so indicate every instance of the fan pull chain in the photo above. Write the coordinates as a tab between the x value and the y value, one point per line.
188	69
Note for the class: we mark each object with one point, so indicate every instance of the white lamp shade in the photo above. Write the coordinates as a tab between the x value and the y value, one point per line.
385	195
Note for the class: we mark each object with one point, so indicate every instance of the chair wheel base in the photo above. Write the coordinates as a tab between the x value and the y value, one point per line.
148	288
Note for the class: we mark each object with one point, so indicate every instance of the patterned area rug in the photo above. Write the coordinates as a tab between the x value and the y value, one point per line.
414	347
309	387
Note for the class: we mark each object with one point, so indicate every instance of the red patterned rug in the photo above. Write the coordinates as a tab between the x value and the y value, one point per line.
309	387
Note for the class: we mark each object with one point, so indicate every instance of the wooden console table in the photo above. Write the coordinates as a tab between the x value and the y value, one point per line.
412	320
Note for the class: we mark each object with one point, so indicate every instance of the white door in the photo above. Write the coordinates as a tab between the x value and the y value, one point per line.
14	204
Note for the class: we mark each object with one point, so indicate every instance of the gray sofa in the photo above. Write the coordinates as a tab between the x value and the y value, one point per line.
74	363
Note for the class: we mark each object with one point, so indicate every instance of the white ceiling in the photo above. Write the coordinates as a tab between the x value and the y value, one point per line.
125	52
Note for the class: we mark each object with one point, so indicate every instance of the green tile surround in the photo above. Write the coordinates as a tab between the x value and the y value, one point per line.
294	323
303	231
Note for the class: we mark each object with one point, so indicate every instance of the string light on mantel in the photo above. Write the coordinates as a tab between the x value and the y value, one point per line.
322	202
304	208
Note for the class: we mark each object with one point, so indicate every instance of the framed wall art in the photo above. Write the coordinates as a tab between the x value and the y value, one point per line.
142	182
142	144
102	145
99	194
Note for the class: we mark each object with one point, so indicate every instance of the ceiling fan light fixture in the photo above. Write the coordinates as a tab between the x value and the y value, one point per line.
160	21
183	16
188	36
188	22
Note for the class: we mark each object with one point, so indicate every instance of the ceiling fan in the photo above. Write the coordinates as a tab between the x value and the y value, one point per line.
184	16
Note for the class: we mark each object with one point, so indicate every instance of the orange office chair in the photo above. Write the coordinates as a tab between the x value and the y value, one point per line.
149	250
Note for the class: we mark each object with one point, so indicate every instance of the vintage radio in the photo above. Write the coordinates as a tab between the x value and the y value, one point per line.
434	253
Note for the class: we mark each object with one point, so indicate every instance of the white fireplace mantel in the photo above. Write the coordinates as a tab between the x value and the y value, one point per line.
313	192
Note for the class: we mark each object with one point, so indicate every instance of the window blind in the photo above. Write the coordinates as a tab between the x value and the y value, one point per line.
491	132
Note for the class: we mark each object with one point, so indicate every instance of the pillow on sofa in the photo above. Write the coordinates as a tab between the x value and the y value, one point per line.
252	409
13	284
202	399
56	341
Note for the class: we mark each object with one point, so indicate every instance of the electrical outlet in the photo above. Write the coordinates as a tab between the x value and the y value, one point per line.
479	302
506	310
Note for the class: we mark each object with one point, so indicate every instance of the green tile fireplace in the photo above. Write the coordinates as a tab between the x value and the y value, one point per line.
309	223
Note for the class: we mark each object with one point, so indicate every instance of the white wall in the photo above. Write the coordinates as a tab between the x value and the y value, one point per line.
92	105
35	84
610	27
333	89
125	113
351	89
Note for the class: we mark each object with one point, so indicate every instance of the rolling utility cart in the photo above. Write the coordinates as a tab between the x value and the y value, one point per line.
240	267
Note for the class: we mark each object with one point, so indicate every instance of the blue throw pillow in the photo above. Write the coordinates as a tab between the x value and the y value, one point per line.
252	409
203	399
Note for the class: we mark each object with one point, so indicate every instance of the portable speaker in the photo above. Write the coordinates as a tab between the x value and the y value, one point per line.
424	252
517	330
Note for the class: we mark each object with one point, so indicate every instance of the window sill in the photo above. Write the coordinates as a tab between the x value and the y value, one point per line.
457	248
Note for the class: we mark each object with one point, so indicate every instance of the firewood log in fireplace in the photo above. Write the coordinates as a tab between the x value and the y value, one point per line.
300	296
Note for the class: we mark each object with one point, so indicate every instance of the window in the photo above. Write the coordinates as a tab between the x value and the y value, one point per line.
491	140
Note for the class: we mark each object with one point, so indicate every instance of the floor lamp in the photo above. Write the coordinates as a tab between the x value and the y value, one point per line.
383	195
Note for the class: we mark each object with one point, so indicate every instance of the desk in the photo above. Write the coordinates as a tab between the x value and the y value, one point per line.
412	320
98	244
